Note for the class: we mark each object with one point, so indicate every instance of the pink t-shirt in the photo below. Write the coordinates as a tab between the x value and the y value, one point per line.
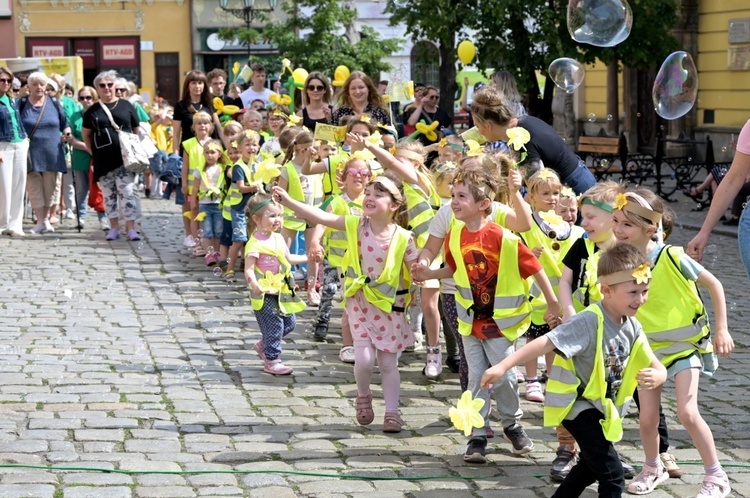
266	262
743	142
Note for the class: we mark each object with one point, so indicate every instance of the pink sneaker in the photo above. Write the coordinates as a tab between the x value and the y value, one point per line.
275	367
258	347
534	392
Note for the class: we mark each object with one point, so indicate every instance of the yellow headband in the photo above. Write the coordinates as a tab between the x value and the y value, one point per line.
214	146
640	275
409	155
623	203
279	112
389	185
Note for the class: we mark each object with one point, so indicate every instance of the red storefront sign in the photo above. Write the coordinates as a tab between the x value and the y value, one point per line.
119	52
46	47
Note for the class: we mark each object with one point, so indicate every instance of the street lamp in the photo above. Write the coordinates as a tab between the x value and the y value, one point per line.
248	12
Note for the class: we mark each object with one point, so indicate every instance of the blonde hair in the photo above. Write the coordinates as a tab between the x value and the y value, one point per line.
250	208
603	192
202	117
621	257
489	105
544	178
232	128
248	135
417	148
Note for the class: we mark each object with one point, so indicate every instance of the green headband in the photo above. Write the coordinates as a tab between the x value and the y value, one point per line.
261	204
601	205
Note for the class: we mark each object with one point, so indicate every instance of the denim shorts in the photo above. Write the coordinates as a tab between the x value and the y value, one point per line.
213	223
226	233
581	179
239	226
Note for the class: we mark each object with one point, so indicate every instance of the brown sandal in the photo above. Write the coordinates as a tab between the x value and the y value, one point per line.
392	422
363	407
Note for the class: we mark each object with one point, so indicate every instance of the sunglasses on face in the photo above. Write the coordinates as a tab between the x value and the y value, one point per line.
316	88
120	90
106	85
85	97
362	173
7	80
434	97
15	90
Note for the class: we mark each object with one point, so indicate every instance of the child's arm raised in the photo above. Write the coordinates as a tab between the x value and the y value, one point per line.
406	172
317	168
520	219
552	315
310	213
723	342
565	293
531	351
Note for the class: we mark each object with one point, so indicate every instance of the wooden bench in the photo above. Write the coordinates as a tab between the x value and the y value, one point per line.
604	151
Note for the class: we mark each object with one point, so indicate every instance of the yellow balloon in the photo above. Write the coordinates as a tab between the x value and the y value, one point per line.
299	75
341	73
466	51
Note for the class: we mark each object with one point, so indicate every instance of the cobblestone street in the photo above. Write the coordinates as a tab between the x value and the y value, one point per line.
133	356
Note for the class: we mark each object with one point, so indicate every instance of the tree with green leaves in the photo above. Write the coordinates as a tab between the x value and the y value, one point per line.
328	38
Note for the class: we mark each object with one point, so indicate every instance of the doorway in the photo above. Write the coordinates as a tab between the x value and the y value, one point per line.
168	76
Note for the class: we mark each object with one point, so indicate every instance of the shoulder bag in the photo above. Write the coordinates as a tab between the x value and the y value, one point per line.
134	157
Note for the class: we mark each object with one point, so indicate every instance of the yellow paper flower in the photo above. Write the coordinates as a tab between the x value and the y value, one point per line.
267	170
546	174
620	201
473	148
375	139
280	99
188	215
567	192
551	218
286	65
465	416
518	138
200	217
234	144
365	118
428	130
363	155
293	118
272	282
642	274
443	143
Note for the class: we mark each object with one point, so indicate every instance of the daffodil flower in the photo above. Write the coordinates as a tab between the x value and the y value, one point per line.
375	139
200	217
280	99
473	148
567	192
188	215
642	274
465	416
293	118
365	118
267	170
551	218
428	130
363	155
272	282
286	65
518	138
443	143
620	201
546	174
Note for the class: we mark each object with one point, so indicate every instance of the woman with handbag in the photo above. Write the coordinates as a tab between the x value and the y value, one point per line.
45	123
103	123
14	148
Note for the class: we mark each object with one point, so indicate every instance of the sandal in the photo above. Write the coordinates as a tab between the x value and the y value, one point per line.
645	482
392	422
363	407
693	193
714	487
199	251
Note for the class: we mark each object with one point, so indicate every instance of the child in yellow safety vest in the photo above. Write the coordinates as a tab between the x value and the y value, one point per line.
602	354
376	289
269	277
208	189
192	161
225	241
491	270
676	325
549	238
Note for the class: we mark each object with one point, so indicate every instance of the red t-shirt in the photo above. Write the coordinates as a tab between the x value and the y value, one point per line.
481	255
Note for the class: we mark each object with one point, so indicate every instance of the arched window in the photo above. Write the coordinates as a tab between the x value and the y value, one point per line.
425	63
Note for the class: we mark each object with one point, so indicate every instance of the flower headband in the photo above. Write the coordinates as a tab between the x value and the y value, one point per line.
601	205
280	113
444	143
214	146
639	207
389	185
567	193
640	275
485	189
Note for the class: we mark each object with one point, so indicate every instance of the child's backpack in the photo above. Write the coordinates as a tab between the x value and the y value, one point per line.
172	173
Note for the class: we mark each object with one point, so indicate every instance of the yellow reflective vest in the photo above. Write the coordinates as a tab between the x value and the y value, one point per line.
226	209
674	317
511	307
382	291
295	192
289	301
564	386
196	159
214	192
590	291
335	240
330	185
234	196
420	210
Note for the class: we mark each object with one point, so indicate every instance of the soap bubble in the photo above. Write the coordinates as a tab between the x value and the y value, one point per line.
711	249
217	272
675	86
566	73
604	164
602	23
610	117
592	117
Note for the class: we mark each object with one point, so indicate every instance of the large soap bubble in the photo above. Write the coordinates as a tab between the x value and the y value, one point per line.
566	73
675	86
603	23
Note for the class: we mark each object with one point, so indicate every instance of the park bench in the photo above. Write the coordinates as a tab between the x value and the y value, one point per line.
609	157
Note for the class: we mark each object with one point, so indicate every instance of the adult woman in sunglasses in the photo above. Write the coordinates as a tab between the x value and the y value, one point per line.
117	183
316	100
14	148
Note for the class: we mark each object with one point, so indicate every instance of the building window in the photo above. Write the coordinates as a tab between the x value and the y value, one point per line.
425	63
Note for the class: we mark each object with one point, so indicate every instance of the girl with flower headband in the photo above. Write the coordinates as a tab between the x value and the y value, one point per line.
422	202
268	270
278	118
567	209
549	238
208	189
376	289
676	324
192	162
356	174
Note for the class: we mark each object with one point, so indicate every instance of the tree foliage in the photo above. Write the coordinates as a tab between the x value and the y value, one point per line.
323	45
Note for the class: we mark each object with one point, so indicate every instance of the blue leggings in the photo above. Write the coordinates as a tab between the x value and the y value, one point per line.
273	326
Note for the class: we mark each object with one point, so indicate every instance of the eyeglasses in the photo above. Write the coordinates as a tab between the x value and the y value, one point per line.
120	90
316	88
362	173
85	97
106	85
7	80
434	97
15	90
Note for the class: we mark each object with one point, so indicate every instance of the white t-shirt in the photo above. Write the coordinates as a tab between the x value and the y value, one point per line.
249	95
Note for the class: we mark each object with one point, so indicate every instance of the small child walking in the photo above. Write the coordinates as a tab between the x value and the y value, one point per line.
376	289
208	188
602	353
269	277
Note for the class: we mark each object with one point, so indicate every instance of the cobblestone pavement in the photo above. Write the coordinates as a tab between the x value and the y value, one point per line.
133	356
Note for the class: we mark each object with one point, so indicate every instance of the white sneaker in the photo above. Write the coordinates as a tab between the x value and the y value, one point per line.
38	228
48	228
346	355
104	225
69	214
189	241
418	342
434	366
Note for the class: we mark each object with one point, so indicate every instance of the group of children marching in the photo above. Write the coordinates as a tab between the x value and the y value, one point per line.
613	309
